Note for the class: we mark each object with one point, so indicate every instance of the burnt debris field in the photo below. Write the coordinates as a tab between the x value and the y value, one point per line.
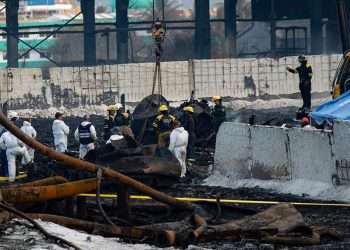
209	221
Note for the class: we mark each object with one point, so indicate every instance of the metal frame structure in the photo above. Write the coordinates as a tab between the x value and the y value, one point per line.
122	26
201	27
294	49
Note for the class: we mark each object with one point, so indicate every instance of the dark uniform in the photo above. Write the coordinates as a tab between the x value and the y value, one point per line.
164	124
188	122
85	137
107	127
122	119
3	157
219	116
158	33
305	76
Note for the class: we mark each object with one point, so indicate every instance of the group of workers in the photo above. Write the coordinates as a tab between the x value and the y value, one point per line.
12	148
178	135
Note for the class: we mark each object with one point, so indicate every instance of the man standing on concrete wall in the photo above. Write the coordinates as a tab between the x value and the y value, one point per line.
305	76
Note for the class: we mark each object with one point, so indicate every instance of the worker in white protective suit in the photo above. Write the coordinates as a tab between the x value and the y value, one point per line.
85	134
14	148
60	133
29	130
178	145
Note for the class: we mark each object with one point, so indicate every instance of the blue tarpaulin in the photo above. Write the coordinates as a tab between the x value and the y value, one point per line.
337	109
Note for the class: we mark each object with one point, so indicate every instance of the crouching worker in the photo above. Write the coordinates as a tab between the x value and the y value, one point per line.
178	145
29	130
85	134
14	149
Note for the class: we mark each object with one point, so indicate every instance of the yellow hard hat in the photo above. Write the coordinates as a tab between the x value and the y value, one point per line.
188	109
163	108
216	98
112	108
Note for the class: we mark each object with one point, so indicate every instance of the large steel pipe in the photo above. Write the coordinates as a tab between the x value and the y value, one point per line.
90	167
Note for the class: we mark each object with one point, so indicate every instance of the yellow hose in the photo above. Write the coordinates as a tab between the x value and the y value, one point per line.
226	201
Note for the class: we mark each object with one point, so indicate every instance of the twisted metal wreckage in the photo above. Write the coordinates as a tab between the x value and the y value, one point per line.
279	224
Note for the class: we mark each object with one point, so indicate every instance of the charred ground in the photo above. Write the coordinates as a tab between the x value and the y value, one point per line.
143	212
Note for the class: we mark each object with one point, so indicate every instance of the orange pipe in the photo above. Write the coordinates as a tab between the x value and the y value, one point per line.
46	193
42	182
90	167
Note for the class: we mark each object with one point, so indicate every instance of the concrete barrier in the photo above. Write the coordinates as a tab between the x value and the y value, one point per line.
233	152
311	155
271	153
244	151
341	140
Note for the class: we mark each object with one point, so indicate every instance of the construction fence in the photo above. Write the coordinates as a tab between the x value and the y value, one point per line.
237	78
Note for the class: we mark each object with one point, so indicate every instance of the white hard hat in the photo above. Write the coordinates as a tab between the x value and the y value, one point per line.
12	114
118	106
114	138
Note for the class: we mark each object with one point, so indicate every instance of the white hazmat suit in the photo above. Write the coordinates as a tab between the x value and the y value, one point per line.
60	133
84	148
29	130
14	148
178	146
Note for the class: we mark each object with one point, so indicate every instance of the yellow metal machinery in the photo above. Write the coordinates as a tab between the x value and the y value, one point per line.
341	82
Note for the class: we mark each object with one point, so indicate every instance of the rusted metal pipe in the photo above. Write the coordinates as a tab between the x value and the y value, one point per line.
160	236
42	182
45	193
90	167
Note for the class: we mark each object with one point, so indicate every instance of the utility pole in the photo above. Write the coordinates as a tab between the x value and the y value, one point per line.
316	9
230	28
106	34
202	29
12	7
122	31
273	27
88	10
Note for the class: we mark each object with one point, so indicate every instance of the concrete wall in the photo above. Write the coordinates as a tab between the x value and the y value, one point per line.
311	155
239	78
233	158
244	151
270	153
273	153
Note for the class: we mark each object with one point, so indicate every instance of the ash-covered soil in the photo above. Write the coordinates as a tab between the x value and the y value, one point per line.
338	218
